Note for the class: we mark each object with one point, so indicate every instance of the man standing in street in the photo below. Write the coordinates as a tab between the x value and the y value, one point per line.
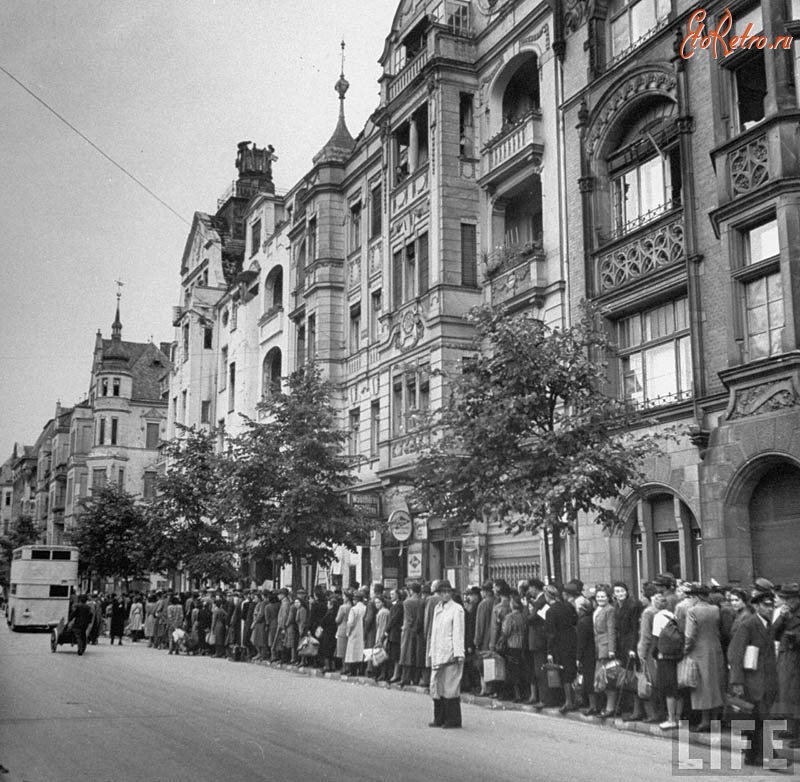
80	618
786	629
446	653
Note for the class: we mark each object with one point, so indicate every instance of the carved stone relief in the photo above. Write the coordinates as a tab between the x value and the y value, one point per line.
749	166
764	398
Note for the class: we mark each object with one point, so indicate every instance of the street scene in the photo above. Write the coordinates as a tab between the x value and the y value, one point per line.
132	713
400	390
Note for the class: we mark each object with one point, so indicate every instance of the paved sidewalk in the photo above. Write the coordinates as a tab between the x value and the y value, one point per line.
722	739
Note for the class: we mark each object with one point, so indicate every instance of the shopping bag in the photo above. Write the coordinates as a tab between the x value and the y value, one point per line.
553	672
644	687
494	669
379	656
688	673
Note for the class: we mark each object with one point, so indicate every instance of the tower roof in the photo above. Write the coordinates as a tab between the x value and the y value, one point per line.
340	145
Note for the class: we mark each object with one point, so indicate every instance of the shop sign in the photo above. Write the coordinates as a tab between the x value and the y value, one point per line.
369	505
415	560
400	525
420	528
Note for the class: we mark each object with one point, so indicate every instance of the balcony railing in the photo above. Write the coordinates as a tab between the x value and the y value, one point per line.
238	189
410	189
515	143
409	72
645	252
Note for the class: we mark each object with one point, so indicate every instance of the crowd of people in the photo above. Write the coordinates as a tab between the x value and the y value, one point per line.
680	651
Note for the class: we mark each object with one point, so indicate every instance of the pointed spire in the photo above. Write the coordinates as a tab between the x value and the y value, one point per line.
341	143
116	326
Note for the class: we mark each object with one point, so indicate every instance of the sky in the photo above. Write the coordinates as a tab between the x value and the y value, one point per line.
166	88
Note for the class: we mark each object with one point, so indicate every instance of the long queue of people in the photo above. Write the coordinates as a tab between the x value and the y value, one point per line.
681	651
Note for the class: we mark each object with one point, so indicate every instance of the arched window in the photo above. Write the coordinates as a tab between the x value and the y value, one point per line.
644	167
271	371
521	95
273	290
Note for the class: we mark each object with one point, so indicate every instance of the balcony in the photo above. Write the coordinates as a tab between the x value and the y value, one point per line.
641	253
408	73
513	149
410	190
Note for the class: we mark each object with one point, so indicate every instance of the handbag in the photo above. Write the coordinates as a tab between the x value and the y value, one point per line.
627	679
379	655
736	706
308	647
210	638
688	673
600	679
644	687
613	671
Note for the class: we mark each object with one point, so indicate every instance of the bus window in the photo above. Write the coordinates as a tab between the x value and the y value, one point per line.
61	555
38	553
17	554
59	590
13	589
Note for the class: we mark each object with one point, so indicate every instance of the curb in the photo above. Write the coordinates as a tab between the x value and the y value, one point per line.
699	739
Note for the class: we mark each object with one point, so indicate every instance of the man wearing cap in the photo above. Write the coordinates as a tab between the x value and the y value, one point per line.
786	629
446	653
753	673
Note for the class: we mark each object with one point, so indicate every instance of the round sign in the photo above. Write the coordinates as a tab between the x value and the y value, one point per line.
400	525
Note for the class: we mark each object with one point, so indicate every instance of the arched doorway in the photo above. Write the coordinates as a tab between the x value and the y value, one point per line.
665	537
774	511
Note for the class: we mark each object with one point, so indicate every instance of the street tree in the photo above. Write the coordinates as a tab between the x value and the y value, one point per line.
287	478
530	435
23	533
183	527
111	535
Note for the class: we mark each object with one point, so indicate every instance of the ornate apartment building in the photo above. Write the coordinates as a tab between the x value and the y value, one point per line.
532	155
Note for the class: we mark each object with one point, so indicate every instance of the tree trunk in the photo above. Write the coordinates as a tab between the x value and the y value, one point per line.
557	575
297	571
547	555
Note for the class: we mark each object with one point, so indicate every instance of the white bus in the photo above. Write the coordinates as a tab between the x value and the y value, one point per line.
42	580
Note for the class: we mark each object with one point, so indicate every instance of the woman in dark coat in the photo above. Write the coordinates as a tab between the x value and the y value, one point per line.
204	617
627	615
316	610
271	620
585	652
393	632
117	627
562	641
511	644
327	639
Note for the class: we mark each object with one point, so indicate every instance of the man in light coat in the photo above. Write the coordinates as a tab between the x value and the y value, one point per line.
446	652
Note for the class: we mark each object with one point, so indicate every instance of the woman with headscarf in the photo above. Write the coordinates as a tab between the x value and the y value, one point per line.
562	642
511	644
381	623
627	612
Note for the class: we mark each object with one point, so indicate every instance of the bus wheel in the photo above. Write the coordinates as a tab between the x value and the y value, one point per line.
53	639
13	624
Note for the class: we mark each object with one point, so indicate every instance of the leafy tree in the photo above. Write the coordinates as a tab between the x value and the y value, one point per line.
287	477
183	526
23	533
530	435
111	535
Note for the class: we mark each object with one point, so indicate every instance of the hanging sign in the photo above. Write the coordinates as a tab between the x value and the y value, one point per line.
400	525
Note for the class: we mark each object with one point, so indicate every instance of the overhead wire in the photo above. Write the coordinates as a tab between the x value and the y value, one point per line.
95	146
